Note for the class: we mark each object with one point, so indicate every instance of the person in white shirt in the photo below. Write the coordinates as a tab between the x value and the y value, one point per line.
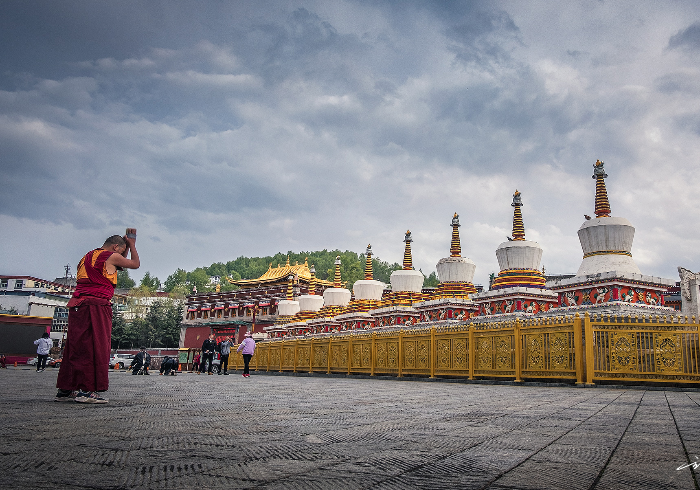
44	345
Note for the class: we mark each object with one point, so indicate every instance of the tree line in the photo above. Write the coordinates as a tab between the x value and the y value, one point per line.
158	325
181	283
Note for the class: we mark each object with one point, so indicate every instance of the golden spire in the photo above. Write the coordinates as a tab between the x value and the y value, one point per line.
518	226
336	282
290	288
407	260
287	264
312	282
369	275
455	248
602	205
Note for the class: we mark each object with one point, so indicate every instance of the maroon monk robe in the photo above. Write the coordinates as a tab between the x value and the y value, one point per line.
85	364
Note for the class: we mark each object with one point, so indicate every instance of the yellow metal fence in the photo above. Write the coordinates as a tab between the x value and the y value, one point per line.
567	348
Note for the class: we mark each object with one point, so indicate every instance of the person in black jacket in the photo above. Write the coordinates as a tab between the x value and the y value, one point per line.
208	349
141	360
168	366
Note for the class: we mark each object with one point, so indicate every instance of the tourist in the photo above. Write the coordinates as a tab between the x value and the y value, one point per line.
225	349
168	366
248	347
195	363
208	349
84	371
141	362
44	345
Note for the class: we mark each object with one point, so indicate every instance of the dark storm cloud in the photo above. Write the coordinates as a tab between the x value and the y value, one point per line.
688	38
266	125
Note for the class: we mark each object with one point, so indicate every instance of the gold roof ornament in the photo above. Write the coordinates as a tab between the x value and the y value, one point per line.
279	274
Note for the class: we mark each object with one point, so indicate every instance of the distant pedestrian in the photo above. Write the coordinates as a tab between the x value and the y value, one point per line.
3	362
248	348
141	362
208	349
44	345
225	349
195	362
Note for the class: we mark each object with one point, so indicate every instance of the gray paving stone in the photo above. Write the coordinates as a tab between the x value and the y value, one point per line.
316	432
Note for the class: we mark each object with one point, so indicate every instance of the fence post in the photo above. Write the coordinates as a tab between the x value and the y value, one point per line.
578	349
400	352
330	355
373	353
588	331
471	351
518	350
433	349
281	355
311	356
296	347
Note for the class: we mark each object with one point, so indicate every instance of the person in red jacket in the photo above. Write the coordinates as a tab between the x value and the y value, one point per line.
84	371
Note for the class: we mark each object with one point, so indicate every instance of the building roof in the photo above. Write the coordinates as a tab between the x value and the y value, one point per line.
280	274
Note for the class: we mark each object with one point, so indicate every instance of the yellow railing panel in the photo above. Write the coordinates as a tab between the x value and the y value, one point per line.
583	349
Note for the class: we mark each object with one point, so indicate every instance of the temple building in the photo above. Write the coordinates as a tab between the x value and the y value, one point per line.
608	280
519	287
290	301
251	308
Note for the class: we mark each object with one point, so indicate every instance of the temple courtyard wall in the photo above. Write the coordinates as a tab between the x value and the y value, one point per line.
578	349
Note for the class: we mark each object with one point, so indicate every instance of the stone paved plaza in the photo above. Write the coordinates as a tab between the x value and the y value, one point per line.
283	431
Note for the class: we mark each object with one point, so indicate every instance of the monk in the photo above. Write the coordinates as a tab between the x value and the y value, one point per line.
84	371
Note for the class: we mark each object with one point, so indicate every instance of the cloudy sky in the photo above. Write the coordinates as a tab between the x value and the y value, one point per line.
222	129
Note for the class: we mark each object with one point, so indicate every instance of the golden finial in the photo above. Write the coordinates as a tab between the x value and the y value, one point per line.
336	282
602	205
455	248
290	287
312	282
407	260
518	226
369	275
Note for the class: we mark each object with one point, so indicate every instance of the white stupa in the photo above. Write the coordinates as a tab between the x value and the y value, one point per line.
519	288
455	268
450	301
407	280
288	307
608	277
311	302
337	295
368	289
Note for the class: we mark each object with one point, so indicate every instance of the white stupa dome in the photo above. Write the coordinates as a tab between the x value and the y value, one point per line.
607	245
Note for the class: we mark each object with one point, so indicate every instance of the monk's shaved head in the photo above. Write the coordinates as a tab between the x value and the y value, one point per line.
114	240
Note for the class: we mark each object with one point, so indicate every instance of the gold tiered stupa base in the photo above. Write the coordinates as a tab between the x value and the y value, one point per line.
402	298
454	289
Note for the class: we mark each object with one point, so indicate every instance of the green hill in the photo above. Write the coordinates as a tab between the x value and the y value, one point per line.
352	269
